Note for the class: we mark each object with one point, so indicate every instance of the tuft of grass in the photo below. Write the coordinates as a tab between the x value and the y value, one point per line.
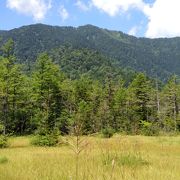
132	160
3	160
129	160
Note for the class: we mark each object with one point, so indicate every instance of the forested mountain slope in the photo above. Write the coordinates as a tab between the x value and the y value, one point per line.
156	57
77	62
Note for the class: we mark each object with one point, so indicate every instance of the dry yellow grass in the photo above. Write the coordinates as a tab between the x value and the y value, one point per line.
102	159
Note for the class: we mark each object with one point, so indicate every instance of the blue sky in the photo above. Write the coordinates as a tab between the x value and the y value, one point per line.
136	17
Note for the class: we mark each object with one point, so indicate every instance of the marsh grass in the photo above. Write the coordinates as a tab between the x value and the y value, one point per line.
120	157
3	160
129	160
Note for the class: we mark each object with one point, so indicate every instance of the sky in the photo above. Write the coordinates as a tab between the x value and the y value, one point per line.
141	18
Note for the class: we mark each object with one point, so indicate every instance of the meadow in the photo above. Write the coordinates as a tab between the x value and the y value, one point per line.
120	157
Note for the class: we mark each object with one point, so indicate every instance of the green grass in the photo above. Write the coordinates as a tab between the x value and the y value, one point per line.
120	157
3	160
130	160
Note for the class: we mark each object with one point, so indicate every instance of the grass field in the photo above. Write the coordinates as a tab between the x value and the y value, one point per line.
121	157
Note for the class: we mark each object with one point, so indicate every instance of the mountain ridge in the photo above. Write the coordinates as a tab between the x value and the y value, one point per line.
85	25
157	57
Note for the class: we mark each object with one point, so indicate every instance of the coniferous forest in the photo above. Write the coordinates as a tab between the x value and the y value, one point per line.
47	97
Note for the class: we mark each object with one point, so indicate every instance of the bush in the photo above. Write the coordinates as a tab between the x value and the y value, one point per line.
3	160
1	128
3	141
107	132
51	139
148	128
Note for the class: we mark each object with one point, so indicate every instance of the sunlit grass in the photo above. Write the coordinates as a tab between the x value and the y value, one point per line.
121	157
3	159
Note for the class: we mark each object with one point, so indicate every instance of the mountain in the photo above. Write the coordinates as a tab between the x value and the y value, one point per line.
157	57
75	62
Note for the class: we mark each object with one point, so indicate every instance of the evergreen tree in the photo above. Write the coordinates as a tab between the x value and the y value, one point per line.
170	106
47	95
121	122
139	98
13	87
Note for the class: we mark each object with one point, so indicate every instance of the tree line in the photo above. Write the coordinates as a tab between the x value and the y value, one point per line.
46	99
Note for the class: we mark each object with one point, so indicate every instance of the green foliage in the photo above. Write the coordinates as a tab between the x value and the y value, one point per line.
3	159
50	139
153	56
13	89
148	128
46	99
46	94
140	91
77	62
170	111
3	138
107	132
3	141
8	48
1	128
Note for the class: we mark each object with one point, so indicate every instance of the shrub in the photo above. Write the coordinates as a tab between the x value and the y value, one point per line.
1	128
49	139
3	160
148	128
107	132
3	141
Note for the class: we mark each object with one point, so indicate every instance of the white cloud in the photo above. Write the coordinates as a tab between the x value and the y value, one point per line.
36	8
81	5
63	13
163	19
114	7
133	31
163	15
